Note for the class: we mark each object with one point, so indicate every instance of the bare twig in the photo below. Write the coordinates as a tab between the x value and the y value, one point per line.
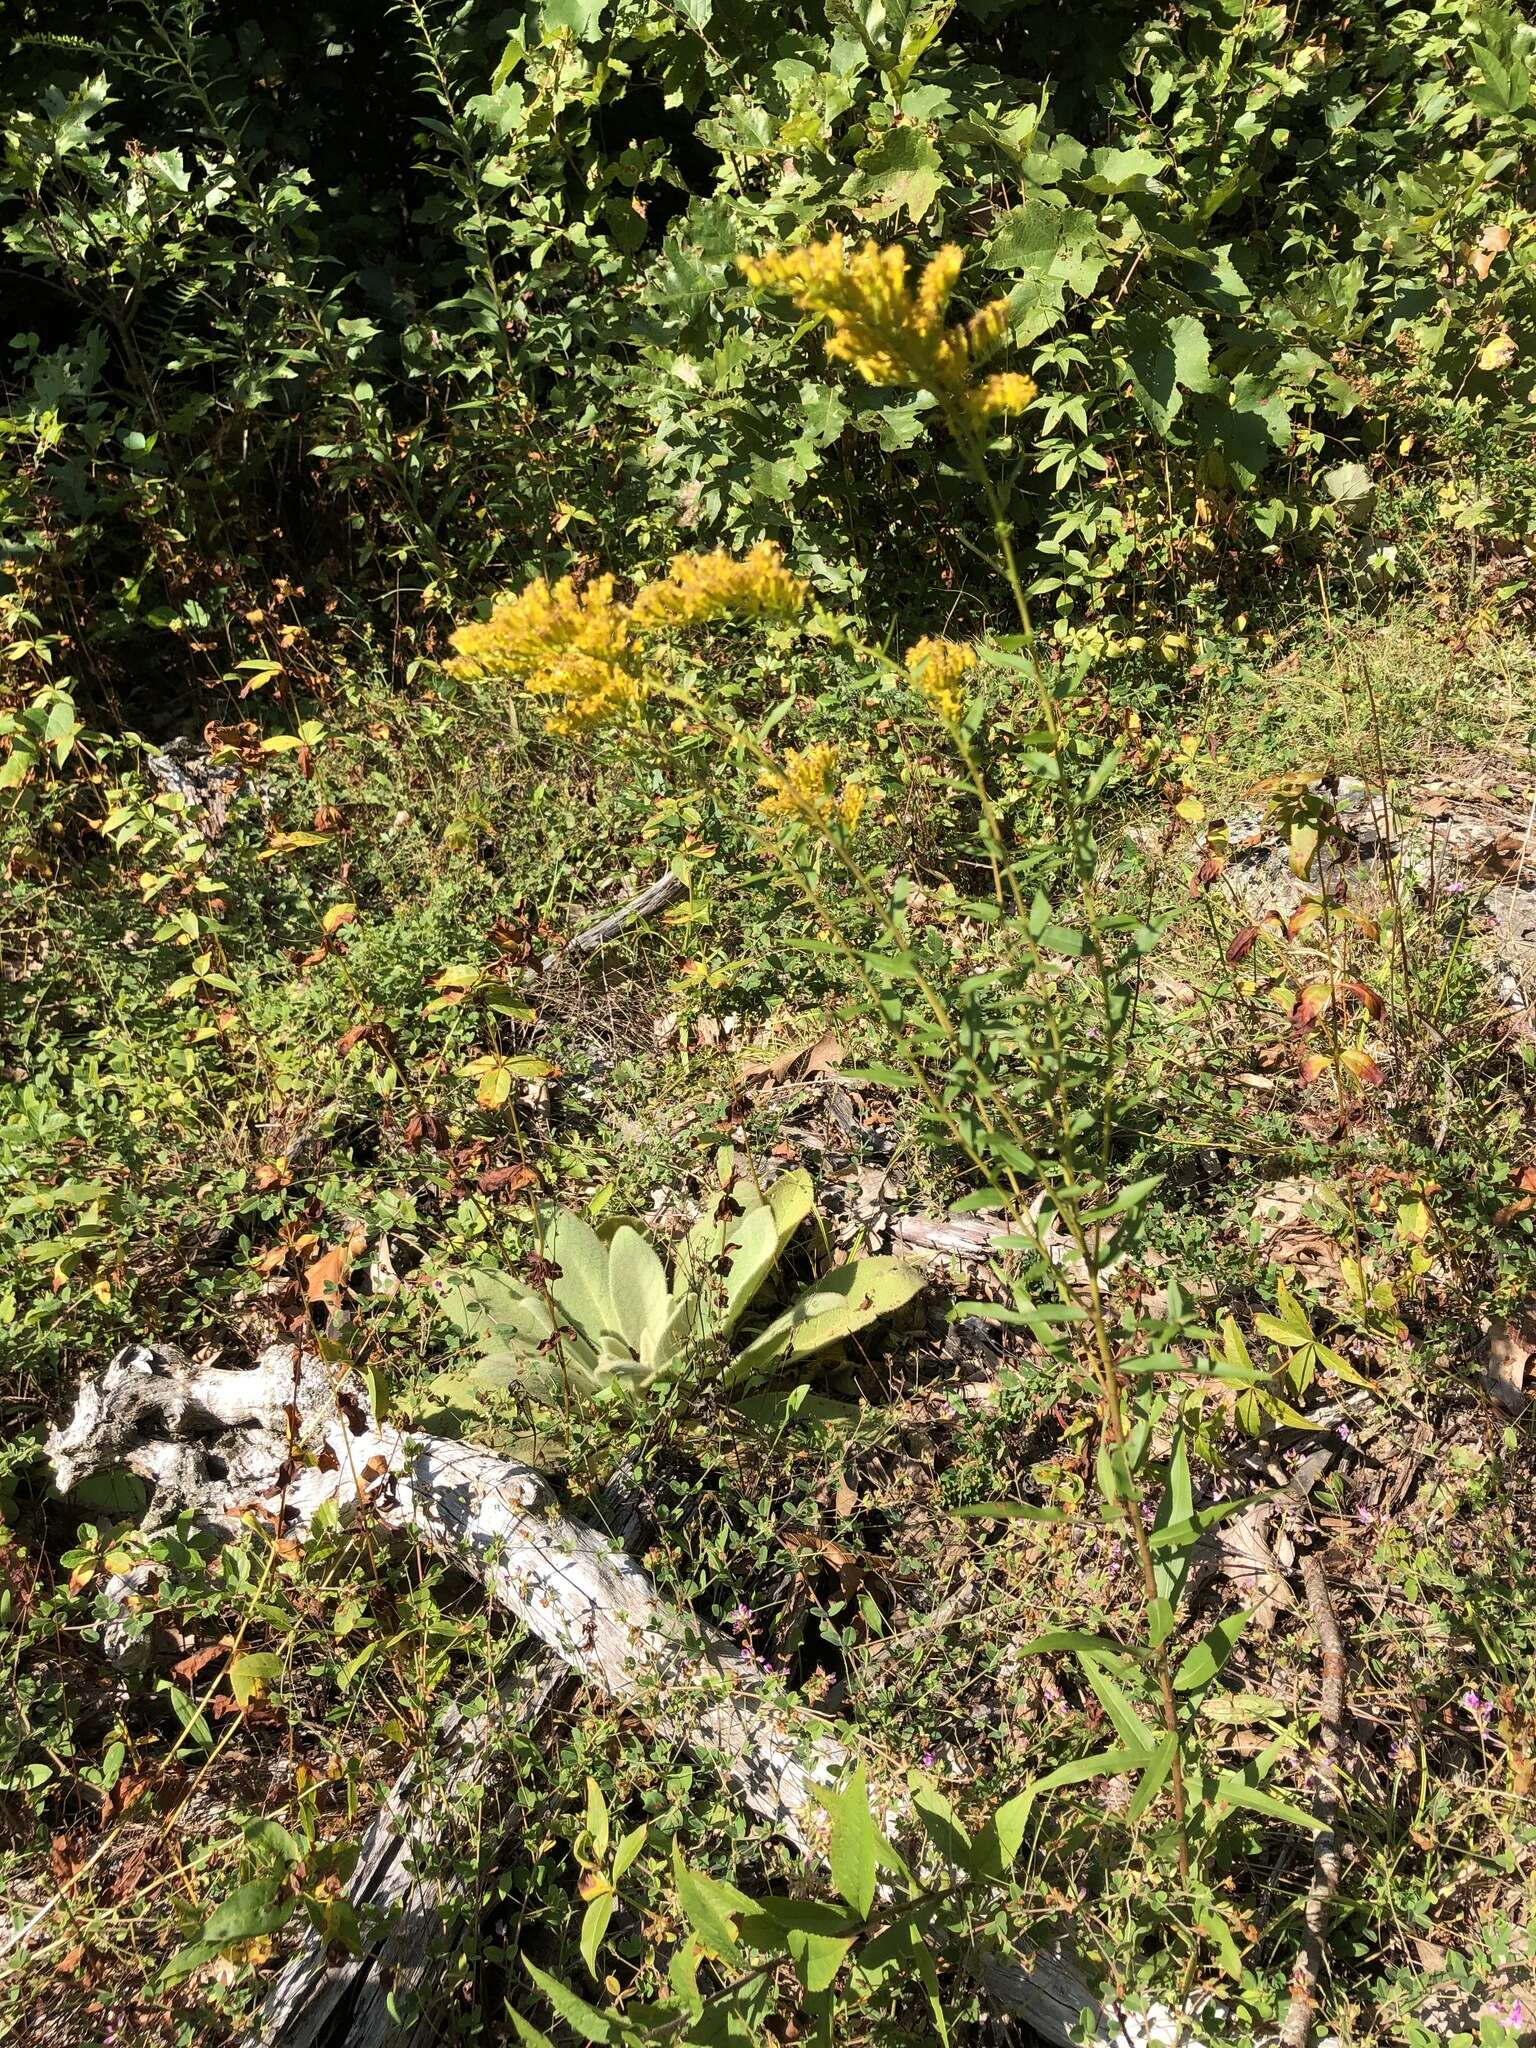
1297	2028
657	895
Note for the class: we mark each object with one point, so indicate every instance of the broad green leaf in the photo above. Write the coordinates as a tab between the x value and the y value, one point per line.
271	1839
752	1251
1113	171
581	1290
852	1846
193	1724
818	1957
764	1925
1006	1511
1128	1199
998	1843
637	1286
848	1300
253	1909
1153	1779
1237	1791
1079	1641
527	2033
942	1827
629	1848
580	18
1124	1719
597	1820
1166	358
903	172
710	1907
251	1675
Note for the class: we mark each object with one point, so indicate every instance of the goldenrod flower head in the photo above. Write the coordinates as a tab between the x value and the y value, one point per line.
935	669
806	790
701	588
1004	391
889	332
557	641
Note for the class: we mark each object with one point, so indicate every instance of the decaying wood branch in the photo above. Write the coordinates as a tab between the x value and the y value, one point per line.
658	895
499	1520
1296	2030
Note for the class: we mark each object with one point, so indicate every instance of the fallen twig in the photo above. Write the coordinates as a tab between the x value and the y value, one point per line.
657	895
1297	2027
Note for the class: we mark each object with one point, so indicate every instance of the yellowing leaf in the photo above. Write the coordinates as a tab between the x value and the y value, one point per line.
1497	354
1191	810
251	1675
496	1073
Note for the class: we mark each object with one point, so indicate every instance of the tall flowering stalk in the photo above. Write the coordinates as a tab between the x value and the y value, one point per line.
897	334
594	658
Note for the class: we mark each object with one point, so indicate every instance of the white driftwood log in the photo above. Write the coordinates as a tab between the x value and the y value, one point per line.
283	1439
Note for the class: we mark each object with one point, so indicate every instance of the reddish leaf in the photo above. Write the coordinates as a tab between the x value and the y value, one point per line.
507	1180
1243	944
1368	997
187	1668
326	1276
1362	1067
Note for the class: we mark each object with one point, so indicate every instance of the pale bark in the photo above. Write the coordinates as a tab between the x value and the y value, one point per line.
573	1589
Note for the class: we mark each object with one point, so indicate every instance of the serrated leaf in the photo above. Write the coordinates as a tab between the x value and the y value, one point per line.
590	2024
818	1957
1166	358
710	1907
851	1851
902	172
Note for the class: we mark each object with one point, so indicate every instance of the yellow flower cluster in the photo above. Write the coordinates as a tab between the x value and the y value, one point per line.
557	641
893	333
936	669
806	789
701	588
1004	391
585	650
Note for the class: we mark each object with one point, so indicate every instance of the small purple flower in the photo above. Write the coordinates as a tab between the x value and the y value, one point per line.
927	1759
1512	2017
741	1615
1480	1709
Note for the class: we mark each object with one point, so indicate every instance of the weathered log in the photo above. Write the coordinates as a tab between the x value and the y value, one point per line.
571	1587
